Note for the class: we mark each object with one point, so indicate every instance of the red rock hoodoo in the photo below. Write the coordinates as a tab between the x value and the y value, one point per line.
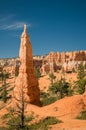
26	78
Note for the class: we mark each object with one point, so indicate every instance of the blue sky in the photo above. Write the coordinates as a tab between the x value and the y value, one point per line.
53	25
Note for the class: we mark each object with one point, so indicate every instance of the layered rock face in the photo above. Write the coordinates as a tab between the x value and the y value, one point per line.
66	56
26	80
66	60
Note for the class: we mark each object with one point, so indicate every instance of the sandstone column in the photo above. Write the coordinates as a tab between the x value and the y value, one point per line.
26	78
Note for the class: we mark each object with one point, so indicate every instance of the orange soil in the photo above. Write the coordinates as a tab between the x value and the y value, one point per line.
65	109
44	82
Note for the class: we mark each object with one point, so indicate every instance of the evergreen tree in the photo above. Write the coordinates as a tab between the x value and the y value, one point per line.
80	85
52	77
81	72
38	73
1	74
4	93
81	82
61	87
85	66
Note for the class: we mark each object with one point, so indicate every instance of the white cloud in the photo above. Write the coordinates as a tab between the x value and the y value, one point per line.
6	18
9	23
13	26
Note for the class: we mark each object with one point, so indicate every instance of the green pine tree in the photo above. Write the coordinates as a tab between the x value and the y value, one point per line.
38	73
81	82
52	77
4	93
81	72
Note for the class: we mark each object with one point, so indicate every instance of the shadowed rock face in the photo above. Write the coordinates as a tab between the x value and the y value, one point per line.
26	80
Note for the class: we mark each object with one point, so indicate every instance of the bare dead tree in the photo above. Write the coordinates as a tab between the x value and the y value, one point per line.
20	106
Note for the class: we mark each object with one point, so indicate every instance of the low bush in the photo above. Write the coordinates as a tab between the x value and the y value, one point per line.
82	115
8	115
44	95
14	123
49	100
3	128
44	124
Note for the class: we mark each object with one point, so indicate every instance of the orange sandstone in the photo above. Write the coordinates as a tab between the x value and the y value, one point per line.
26	79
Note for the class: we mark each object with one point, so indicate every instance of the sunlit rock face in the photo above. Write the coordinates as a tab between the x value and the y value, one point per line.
26	80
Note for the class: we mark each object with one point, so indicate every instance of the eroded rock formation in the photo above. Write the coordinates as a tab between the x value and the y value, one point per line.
67	60
26	80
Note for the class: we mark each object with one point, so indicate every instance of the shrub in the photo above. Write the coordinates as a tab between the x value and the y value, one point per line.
44	124
49	100
44	95
81	72
61	87
15	122
29	118
3	128
38	73
82	115
81	85
8	115
52	77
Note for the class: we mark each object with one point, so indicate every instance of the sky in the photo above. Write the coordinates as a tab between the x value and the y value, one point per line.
53	25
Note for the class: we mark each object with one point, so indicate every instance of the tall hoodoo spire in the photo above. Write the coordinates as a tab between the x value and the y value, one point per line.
25	28
27	78
25	47
24	33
